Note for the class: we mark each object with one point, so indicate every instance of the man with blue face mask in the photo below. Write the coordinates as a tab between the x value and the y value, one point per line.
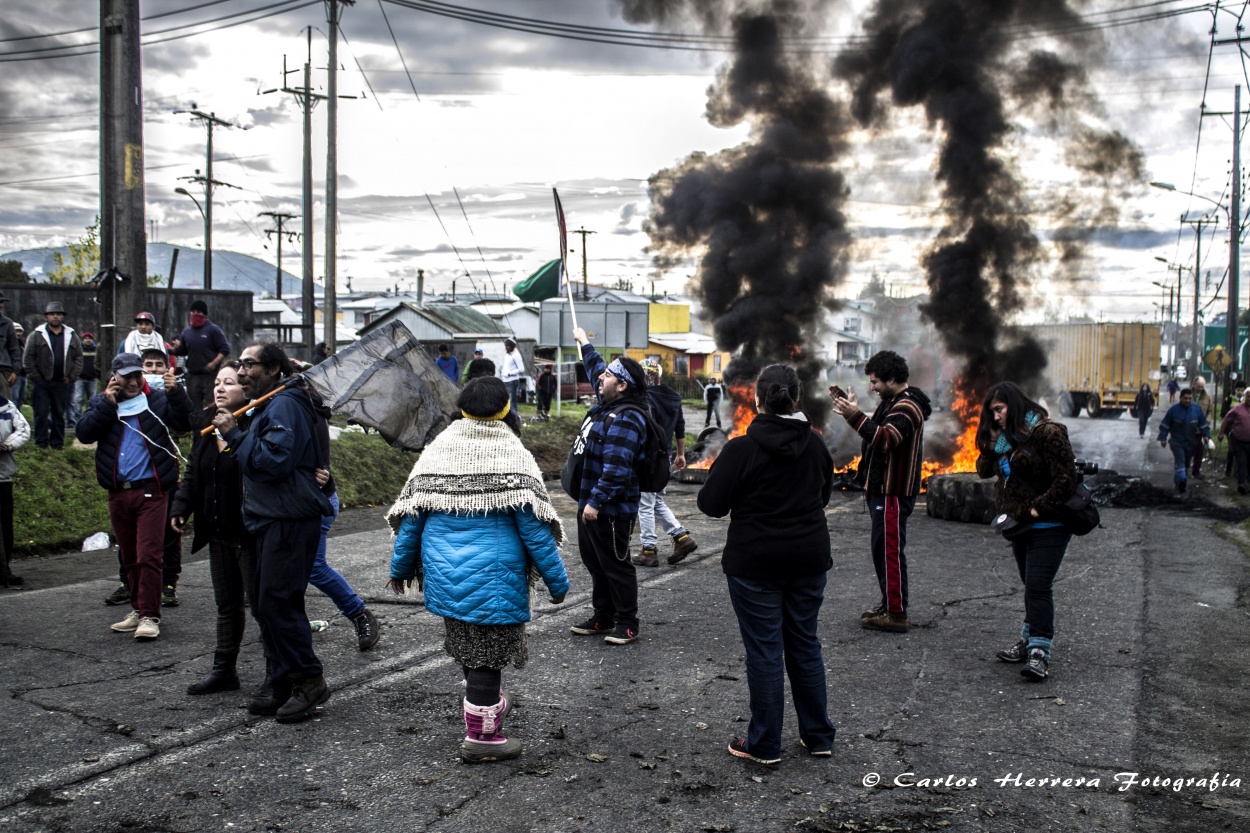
137	462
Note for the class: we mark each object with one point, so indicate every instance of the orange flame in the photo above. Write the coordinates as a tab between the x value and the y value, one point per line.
742	395
967	410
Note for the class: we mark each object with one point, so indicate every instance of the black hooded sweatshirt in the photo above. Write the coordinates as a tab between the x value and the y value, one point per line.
774	484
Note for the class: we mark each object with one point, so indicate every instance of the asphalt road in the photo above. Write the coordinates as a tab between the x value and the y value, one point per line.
1148	677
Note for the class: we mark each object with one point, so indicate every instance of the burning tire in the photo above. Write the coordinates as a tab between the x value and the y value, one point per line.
961	497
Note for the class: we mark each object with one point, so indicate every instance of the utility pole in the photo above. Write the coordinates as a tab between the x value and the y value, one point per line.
210	121
1197	339
1231	337
307	101
123	245
278	219
585	281
334	10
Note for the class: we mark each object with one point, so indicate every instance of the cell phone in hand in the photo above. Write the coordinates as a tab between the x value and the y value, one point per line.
837	392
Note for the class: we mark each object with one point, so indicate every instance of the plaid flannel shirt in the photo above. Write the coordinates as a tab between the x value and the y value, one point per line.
609	482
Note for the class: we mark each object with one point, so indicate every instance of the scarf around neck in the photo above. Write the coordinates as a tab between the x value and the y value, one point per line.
1004	445
475	467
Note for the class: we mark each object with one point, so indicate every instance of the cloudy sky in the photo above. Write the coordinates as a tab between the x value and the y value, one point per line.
501	116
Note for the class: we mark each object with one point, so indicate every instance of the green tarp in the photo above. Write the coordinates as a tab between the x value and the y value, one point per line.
543	284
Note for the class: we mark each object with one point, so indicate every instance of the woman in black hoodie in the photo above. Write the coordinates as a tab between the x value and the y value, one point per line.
774	483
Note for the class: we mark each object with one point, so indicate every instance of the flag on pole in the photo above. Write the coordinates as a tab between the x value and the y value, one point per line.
388	382
566	284
564	240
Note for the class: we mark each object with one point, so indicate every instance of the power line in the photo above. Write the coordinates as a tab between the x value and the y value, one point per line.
149	39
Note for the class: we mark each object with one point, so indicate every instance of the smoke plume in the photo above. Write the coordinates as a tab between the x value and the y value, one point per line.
767	214
957	60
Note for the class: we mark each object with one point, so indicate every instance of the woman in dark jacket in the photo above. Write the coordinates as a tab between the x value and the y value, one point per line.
1034	464
212	492
774	483
1144	406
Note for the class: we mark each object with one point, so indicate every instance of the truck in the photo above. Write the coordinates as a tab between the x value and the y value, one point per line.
1100	367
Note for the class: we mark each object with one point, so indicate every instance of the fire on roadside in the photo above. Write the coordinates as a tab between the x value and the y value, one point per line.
966	409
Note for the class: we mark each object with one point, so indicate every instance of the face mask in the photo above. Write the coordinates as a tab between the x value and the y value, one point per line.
155	381
133	406
198	319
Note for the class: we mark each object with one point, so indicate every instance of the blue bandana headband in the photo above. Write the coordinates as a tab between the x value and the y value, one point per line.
618	370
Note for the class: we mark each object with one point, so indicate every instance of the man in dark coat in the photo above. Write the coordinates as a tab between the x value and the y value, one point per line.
137	462
53	362
282	506
612	439
206	347
10	351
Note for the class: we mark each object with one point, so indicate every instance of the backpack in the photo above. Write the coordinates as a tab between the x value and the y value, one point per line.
651	466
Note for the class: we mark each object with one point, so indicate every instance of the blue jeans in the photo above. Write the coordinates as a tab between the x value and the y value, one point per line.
1181	455
17	393
651	506
778	623
50	401
83	390
329	580
515	389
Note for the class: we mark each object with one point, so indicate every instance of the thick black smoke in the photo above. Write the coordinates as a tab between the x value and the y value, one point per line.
766	214
958	60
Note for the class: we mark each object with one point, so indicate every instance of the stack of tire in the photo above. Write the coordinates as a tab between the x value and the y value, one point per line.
963	497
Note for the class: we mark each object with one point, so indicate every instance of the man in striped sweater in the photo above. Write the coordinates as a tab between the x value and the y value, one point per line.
889	471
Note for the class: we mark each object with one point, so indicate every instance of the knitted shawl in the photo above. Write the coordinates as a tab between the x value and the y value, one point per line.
475	466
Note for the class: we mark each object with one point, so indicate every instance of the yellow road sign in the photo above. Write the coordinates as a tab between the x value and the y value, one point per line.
1217	359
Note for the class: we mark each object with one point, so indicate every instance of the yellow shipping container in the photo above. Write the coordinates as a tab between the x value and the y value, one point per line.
1100	367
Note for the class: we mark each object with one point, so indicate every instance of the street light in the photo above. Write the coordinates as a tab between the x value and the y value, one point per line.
1234	263
208	236
1173	308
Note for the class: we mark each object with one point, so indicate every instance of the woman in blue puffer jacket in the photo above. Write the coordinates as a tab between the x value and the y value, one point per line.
475	528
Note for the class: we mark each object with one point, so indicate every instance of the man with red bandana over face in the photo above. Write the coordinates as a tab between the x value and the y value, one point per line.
206	347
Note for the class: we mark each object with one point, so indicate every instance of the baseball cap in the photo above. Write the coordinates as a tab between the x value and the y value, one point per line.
145	316
127	363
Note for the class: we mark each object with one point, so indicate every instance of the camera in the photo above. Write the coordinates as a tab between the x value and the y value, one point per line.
1084	467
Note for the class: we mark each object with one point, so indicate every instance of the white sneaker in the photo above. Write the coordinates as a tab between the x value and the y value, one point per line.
148	628
128	624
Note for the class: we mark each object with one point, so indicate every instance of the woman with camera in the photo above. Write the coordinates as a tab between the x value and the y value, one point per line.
1033	461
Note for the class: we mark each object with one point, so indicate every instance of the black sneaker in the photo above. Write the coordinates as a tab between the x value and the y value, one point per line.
738	748
621	636
169	596
17	581
120	596
1016	653
1037	668
367	631
1180	486
591	627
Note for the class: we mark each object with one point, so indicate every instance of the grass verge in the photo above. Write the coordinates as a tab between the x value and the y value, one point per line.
58	503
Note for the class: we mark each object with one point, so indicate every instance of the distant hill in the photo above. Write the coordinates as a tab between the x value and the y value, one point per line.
231	270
